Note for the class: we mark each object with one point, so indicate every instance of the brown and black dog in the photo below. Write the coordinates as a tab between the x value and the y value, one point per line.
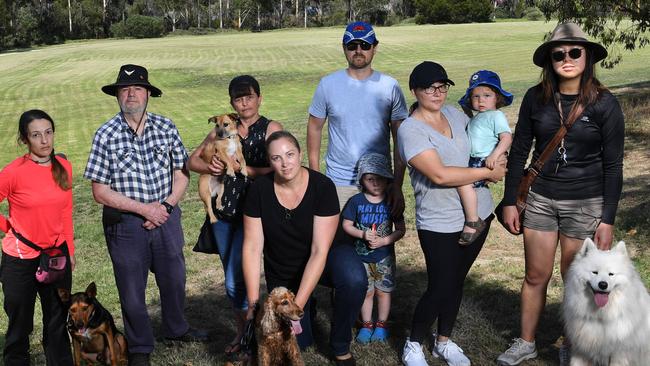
227	148
92	329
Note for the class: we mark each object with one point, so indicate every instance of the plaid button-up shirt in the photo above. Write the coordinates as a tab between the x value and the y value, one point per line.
139	167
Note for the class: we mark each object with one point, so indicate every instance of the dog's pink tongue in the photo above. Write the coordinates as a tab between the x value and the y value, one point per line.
296	328
601	298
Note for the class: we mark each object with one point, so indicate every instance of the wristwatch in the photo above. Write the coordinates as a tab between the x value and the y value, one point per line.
168	207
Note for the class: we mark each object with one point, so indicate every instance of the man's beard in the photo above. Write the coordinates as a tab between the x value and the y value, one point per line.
135	110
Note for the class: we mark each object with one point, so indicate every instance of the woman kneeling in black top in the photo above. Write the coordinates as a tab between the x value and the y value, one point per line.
292	215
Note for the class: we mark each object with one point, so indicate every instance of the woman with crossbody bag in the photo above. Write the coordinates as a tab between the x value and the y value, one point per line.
38	188
575	194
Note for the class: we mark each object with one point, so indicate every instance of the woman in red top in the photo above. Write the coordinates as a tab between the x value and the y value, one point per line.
37	186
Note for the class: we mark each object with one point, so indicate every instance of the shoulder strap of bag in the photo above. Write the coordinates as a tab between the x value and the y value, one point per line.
535	168
26	241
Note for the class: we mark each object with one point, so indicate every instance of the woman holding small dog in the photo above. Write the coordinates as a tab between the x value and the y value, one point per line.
253	129
576	193
291	216
38	187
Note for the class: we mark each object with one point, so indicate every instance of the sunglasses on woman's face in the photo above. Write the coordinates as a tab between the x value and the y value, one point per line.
574	54
352	46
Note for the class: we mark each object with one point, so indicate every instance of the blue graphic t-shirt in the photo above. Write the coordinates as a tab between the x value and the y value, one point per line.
364	214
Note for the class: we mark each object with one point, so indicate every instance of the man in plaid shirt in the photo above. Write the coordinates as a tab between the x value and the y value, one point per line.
137	169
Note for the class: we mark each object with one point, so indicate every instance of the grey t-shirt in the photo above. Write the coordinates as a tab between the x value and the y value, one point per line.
438	208
358	113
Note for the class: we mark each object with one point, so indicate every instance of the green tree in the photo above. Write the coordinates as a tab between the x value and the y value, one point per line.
614	23
453	11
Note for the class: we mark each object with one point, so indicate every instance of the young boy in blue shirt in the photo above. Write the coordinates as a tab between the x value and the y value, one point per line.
366	217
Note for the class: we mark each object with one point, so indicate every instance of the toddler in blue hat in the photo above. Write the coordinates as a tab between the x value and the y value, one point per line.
366	217
490	137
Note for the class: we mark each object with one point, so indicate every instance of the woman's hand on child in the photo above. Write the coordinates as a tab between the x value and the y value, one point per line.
498	172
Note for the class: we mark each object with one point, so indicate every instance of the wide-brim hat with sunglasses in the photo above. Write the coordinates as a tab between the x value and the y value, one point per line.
572	34
359	31
131	75
374	163
488	78
427	73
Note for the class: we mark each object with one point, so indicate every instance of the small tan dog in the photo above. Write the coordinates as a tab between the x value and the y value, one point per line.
227	148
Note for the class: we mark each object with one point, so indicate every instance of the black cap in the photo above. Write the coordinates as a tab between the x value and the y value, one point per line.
427	73
131	75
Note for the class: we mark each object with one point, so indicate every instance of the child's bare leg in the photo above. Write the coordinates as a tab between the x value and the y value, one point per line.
383	305
366	308
469	199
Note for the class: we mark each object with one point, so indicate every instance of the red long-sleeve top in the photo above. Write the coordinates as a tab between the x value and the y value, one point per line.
38	208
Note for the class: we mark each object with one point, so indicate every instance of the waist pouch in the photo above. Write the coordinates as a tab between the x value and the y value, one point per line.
52	261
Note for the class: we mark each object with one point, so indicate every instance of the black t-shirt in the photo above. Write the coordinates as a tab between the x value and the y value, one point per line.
594	149
288	233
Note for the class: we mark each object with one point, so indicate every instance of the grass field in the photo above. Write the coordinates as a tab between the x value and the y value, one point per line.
194	72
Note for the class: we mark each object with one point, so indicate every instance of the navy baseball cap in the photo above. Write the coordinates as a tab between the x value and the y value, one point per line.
484	77
361	31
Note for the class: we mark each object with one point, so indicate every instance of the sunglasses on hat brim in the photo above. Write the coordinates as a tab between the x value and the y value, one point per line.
574	54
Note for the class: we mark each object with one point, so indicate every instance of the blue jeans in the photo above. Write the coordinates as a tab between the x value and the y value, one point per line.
344	272
230	238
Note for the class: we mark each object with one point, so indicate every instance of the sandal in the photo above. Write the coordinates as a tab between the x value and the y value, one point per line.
232	348
468	238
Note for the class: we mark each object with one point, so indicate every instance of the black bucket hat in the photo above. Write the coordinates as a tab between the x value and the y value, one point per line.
131	75
572	34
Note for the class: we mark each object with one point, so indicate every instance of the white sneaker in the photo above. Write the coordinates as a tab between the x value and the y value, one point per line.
518	352
413	355
450	352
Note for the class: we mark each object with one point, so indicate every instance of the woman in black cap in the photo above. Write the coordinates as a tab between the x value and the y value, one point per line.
576	193
434	143
253	129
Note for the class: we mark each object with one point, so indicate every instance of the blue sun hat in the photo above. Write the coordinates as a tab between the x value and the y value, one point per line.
484	77
374	163
361	31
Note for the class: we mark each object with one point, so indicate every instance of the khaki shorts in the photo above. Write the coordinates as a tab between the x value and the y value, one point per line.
573	218
381	275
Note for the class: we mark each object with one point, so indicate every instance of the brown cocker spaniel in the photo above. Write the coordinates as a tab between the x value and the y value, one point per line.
278	323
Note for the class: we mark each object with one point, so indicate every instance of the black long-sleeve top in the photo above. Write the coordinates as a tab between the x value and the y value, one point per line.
594	151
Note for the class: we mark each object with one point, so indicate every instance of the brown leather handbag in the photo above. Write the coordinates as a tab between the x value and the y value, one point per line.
535	168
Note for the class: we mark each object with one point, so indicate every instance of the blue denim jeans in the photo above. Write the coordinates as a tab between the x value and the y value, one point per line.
344	272
230	238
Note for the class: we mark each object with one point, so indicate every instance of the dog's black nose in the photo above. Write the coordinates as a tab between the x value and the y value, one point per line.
602	285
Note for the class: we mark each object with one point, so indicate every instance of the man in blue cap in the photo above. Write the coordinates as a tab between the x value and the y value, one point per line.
363	107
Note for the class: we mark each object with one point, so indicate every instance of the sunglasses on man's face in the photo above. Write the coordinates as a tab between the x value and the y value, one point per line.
352	46
574	54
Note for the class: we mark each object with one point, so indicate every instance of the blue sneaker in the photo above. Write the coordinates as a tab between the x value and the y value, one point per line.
365	333
381	333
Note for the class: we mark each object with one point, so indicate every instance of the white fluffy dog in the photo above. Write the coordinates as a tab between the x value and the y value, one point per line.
606	309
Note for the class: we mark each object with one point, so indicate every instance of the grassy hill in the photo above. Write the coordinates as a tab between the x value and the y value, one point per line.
194	71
